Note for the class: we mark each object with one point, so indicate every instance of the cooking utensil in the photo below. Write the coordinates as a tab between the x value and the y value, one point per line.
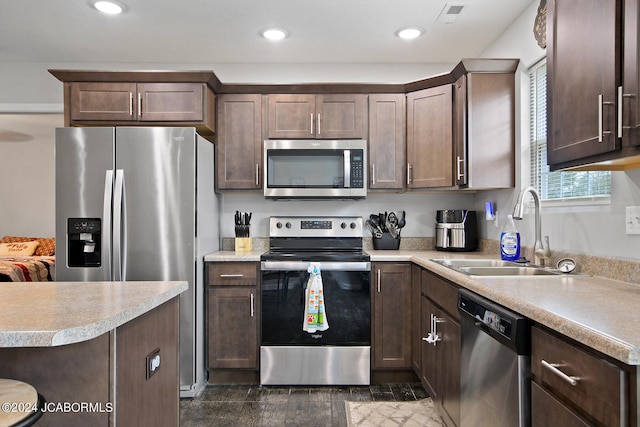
401	219
374	229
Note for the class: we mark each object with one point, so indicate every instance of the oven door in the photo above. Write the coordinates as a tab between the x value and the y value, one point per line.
347	298
315	169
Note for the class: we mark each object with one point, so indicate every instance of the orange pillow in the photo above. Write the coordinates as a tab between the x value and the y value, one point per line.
47	246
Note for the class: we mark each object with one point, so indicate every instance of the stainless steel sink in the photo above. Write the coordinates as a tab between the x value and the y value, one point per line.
508	271
495	267
458	263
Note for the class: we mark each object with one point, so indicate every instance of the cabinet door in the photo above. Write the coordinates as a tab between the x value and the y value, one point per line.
583	73
239	142
416	318
292	116
387	145
547	411
103	101
392	316
341	116
631	85
429	138
460	131
232	321
171	102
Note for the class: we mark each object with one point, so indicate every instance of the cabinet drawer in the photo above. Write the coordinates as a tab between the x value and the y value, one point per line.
600	387
441	292
232	274
548	411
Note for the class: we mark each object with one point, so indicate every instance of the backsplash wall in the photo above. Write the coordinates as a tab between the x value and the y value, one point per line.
420	209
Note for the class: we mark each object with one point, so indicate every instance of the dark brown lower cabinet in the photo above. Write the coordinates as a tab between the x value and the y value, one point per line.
391	310
575	385
233	310
440	345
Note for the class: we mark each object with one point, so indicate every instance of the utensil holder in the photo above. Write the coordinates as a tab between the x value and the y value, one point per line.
244	244
386	242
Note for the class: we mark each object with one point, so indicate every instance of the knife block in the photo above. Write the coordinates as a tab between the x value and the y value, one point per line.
244	244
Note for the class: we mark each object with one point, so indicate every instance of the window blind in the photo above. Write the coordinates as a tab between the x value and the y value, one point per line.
555	185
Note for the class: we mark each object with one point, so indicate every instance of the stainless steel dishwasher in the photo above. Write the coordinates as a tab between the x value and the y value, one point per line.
495	373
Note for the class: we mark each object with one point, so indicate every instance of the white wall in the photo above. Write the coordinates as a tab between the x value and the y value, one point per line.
588	229
27	183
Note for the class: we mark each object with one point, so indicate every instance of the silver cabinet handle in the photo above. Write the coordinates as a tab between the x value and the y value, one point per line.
257	174
408	173
379	280
553	367
460	174
620	97
601	130
373	173
600	124
311	124
231	276
131	104
252	305
318	123
139	105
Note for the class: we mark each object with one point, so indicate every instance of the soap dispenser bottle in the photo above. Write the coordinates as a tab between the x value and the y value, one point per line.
510	241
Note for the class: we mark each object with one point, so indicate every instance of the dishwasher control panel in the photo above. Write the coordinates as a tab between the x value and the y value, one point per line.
495	320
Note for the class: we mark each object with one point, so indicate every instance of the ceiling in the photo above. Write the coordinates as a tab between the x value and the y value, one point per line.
227	31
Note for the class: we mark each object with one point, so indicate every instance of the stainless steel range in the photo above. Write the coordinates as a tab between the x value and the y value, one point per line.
339	355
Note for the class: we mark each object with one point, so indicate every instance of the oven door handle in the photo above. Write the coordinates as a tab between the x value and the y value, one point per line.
303	265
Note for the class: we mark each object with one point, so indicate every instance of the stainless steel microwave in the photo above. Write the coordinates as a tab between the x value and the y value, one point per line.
325	169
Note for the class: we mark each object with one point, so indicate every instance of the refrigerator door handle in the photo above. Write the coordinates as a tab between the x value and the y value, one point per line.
119	228
106	218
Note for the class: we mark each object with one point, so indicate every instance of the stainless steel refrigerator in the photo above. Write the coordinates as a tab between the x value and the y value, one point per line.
138	203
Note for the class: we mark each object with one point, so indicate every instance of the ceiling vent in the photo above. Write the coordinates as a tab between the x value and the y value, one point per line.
450	13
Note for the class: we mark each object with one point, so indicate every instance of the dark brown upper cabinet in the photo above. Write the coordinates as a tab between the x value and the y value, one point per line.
305	116
387	142
593	75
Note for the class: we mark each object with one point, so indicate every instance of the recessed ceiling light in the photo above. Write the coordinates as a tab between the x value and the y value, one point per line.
274	33
108	7
410	33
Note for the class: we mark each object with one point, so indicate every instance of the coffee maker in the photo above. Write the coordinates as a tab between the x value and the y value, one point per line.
456	230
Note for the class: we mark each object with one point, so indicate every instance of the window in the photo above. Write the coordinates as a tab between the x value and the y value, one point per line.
556	185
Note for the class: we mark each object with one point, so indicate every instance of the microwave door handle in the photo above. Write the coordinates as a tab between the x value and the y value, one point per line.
347	168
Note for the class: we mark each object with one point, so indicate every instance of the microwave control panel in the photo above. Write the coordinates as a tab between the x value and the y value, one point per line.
357	169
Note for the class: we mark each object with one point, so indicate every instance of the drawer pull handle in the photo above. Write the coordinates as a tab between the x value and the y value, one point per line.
231	276
553	367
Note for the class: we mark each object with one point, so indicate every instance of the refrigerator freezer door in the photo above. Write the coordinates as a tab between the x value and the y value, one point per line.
159	214
84	157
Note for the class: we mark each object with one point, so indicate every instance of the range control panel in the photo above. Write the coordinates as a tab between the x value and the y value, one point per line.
297	226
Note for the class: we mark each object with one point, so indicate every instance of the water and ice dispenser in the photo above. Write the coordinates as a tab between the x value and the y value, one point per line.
84	242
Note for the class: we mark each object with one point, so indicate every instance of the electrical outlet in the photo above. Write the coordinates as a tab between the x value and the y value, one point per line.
632	220
153	362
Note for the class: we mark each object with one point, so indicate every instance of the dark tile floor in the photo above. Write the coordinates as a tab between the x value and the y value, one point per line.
241	406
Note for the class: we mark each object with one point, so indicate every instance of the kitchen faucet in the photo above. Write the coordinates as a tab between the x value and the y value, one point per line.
541	254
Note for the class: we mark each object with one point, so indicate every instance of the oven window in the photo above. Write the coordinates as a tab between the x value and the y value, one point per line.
347	307
305	168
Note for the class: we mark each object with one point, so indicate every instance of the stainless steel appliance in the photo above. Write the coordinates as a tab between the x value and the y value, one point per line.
315	169
456	230
495	381
139	204
341	354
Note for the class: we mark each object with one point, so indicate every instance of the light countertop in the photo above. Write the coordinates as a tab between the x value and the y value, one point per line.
598	312
47	314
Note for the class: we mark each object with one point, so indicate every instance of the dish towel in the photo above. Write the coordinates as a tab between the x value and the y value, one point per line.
315	317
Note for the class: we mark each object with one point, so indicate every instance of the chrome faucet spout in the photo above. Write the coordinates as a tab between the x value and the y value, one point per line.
539	253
